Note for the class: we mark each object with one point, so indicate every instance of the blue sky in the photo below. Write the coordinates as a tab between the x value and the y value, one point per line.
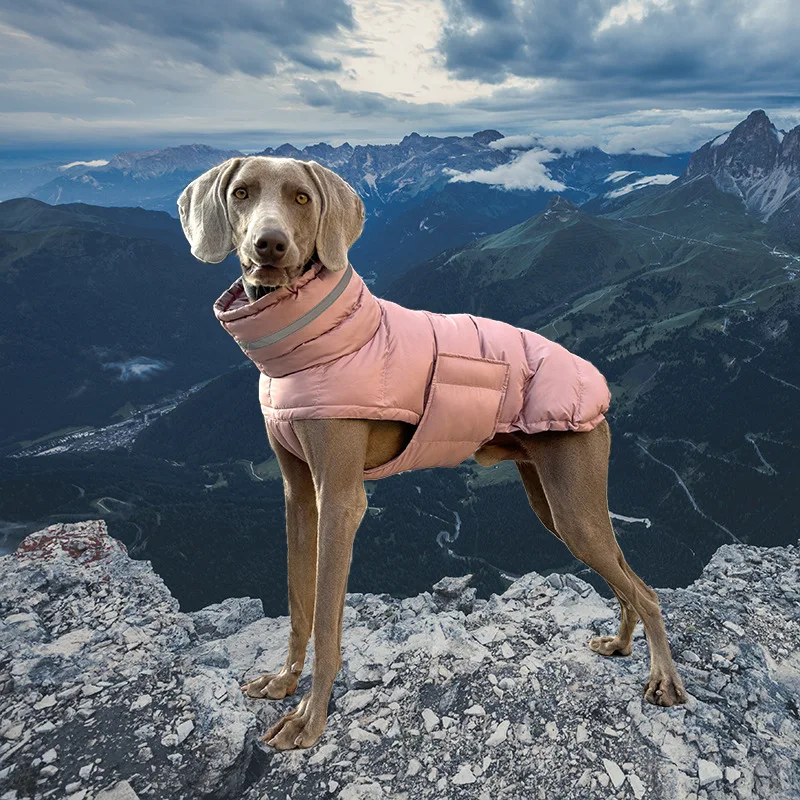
655	75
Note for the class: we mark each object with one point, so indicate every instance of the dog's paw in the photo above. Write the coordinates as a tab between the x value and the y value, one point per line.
610	646
298	729
272	686
665	690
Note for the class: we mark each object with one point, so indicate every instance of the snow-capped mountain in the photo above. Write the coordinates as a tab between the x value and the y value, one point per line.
755	161
144	164
409	170
423	194
133	178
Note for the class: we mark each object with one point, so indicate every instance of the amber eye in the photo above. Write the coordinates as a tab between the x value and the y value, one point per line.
302	198
240	193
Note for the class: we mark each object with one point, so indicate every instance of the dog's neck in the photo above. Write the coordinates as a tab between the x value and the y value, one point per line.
256	292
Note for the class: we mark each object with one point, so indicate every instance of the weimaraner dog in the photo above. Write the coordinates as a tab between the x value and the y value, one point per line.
278	214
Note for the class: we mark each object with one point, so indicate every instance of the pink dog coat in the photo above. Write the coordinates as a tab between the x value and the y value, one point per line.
328	348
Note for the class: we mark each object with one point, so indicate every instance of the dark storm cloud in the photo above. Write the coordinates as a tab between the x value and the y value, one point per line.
648	48
329	94
251	36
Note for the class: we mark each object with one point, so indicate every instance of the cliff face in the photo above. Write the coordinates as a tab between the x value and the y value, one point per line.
107	690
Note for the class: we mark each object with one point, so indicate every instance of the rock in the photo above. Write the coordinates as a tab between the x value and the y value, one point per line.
440	696
454	594
363	789
120	791
732	774
142	701
323	753
708	772
13	732
500	734
91	600
360	735
614	772
732	626
637	787
356	700
464	776
414	766
183	730
223	619
46	702
430	720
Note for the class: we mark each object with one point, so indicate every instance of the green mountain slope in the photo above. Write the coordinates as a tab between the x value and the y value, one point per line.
690	307
102	307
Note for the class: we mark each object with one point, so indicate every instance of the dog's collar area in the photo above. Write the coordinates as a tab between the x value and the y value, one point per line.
320	317
287	330
257	292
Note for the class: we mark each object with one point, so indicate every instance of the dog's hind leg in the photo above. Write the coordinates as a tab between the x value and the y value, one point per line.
301	538
535	492
573	472
605	645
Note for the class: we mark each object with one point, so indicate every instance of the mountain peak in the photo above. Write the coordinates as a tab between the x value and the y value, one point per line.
487	136
759	116
754	161
559	203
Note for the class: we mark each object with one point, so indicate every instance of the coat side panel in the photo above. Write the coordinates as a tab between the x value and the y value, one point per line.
408	357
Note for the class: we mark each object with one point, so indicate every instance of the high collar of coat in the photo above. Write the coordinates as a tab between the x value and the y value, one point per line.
321	316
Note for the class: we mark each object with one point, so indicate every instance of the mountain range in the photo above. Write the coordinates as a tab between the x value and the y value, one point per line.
416	201
684	293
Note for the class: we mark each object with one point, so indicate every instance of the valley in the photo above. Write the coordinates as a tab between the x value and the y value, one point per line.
683	295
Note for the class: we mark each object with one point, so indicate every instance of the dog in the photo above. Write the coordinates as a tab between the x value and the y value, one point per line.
285	219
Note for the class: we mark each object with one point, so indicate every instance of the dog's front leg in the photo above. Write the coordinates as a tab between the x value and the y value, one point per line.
301	539
336	453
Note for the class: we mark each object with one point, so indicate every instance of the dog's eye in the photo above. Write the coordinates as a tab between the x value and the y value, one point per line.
240	193
302	198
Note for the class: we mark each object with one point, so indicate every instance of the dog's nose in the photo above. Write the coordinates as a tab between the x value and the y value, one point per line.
271	244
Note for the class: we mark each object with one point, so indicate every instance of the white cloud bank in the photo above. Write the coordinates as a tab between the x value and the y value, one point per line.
526	171
565	144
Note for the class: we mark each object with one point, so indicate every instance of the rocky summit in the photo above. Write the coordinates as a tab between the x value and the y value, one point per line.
109	691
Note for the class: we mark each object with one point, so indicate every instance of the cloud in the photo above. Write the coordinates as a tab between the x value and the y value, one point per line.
630	49
526	171
655	76
528	141
330	94
568	144
524	141
250	36
660	138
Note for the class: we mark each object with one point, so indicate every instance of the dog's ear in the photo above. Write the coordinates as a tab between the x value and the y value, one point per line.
204	213
341	217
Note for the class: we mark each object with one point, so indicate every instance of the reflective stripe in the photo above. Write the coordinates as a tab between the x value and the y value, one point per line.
301	322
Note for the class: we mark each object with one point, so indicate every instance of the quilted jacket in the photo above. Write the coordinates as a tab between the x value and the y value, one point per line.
326	347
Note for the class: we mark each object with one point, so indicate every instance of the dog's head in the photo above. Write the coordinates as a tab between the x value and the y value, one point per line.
276	213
